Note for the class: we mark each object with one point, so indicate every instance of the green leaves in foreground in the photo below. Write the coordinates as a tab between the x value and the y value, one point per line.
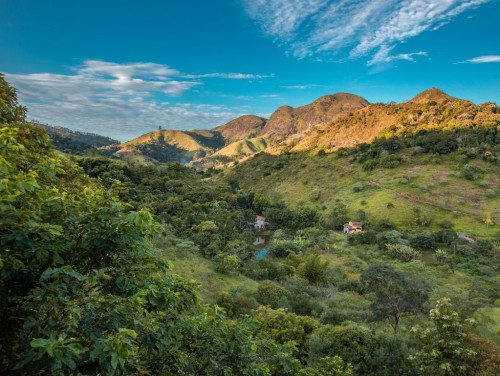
81	293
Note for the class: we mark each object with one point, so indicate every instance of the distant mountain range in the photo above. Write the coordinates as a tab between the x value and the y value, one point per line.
75	142
328	123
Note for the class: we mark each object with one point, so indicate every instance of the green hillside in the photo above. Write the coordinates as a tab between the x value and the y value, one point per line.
113	267
168	145
454	187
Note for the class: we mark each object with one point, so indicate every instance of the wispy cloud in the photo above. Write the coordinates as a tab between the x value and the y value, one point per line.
302	87
352	28
383	55
118	100
482	59
231	76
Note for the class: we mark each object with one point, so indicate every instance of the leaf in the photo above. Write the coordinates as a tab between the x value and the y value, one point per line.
114	361
40	342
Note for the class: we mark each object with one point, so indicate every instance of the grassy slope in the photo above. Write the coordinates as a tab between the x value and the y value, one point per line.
422	182
243	148
177	138
456	284
192	266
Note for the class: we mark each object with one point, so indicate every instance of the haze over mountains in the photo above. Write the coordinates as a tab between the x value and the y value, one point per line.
330	122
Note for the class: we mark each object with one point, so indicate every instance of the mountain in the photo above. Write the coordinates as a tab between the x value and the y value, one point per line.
75	142
168	145
287	120
327	124
432	95
431	109
243	127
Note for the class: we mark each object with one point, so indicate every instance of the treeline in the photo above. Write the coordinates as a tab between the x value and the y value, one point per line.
478	142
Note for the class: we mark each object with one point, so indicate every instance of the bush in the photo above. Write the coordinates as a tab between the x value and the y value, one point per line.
424	242
284	327
390	161
269	293
370	165
353	343
392	237
227	263
403	252
266	269
485	247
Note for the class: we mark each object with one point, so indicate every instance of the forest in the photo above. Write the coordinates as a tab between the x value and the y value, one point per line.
110	267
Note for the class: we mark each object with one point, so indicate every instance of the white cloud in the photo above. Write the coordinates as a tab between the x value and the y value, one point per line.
356	28
483	59
232	76
302	87
383	55
118	100
282	18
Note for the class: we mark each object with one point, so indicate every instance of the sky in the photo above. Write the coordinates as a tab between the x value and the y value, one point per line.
124	68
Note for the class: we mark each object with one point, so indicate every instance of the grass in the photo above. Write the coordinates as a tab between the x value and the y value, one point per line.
489	323
192	266
436	189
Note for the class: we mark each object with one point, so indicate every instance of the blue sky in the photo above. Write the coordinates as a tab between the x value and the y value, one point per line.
123	68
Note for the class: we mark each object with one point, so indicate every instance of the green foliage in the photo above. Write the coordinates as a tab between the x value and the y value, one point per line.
404	252
424	242
354	344
396	295
442	255
285	327
445	348
421	217
227	263
81	292
269	293
332	366
10	111
338	216
313	268
392	358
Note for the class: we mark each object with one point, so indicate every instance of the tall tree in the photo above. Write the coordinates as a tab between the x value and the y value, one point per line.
395	294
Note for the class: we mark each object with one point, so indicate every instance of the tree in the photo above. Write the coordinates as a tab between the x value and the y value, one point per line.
445	349
285	327
313	268
331	366
354	344
269	293
395	294
442	255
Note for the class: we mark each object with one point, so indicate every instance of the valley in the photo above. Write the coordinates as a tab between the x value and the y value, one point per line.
141	257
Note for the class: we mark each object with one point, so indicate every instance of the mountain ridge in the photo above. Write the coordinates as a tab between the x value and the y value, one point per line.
328	123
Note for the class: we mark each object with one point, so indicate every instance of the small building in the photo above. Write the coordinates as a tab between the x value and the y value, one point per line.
352	227
260	223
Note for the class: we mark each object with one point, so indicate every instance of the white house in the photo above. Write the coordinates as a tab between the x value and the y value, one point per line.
260	223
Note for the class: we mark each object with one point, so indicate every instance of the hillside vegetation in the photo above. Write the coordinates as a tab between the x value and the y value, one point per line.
127	267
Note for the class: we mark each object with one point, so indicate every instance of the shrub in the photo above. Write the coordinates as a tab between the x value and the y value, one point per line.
370	165
353	343
227	263
269	293
423	242
284	327
390	161
403	252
